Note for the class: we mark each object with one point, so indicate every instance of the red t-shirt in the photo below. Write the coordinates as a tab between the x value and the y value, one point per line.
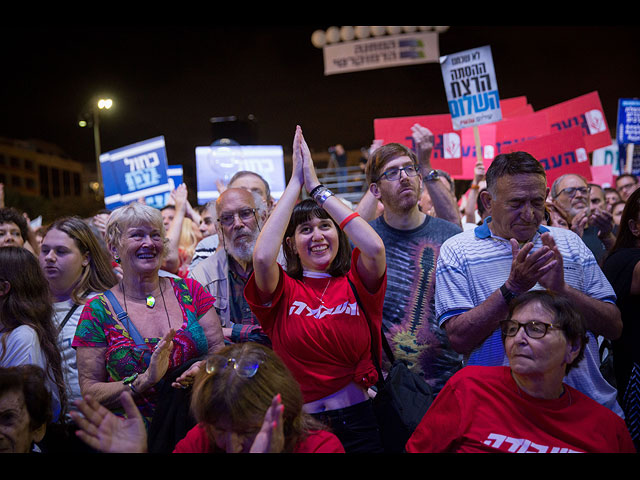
481	409
325	345
318	441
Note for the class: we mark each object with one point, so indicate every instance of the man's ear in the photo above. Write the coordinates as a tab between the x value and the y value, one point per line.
375	191
486	199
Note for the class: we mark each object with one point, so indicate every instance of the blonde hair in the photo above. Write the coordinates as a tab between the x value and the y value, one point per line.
133	214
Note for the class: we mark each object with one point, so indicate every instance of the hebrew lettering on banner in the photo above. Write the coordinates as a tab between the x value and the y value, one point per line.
471	87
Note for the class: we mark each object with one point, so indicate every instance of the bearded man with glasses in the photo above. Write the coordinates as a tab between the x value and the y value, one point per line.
480	271
572	194
241	213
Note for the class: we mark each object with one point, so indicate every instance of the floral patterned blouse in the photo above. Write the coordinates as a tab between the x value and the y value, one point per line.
98	327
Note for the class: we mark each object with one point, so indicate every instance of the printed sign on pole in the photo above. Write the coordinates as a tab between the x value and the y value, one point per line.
217	164
628	120
628	129
135	171
471	86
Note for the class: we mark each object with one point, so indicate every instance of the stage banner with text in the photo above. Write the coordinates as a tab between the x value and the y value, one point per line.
559	152
585	112
135	171
471	87
383	52
217	164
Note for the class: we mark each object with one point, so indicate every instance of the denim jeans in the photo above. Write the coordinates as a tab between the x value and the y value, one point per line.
355	426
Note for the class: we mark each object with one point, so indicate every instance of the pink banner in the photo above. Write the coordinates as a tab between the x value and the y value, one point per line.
561	152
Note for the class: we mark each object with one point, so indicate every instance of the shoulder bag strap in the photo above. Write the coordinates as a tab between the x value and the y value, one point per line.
67	317
385	343
124	316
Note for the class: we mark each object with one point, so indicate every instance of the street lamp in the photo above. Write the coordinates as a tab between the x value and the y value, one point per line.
94	116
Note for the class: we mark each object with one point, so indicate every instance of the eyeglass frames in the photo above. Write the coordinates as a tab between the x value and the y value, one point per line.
245	214
533	329
571	191
394	173
246	367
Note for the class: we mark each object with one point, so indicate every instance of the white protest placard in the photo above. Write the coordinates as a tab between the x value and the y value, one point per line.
217	164
381	52
471	87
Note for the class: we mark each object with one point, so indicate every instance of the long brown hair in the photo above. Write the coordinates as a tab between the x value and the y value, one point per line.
98	276
625	237
28	302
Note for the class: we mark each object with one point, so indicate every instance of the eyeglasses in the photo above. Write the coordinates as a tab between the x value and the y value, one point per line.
245	214
533	329
394	173
245	367
571	191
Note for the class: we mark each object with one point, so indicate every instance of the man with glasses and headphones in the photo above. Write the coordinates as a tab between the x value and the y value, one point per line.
480	271
412	241
572	194
240	215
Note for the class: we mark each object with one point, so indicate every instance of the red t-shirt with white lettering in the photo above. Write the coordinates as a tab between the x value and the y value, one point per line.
481	409
327	344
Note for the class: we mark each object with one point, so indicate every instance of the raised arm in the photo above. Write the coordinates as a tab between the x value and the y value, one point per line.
267	248
372	261
444	203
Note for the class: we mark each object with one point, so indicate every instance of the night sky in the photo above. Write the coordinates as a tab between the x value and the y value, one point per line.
170	80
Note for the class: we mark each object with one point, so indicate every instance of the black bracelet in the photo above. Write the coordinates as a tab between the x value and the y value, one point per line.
312	192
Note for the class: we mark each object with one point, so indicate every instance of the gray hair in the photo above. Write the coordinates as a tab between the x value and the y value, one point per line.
554	188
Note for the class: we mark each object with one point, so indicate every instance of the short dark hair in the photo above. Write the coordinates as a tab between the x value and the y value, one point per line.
565	316
513	163
243	173
11	215
303	212
30	380
630	175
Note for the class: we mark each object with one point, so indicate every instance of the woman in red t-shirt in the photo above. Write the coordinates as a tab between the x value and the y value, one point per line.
312	313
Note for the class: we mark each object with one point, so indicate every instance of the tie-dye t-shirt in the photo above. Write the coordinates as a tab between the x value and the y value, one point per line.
98	327
408	317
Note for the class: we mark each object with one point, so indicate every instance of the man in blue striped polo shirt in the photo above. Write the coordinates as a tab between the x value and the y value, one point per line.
479	271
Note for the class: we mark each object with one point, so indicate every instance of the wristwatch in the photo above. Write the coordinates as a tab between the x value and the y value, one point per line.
507	294
320	194
129	382
432	176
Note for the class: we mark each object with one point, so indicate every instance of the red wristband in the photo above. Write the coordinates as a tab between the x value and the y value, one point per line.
348	219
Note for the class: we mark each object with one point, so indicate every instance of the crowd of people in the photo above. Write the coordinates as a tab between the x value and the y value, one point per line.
255	325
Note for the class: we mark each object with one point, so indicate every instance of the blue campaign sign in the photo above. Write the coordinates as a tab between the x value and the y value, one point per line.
217	164
135	171
628	130
160	200
471	87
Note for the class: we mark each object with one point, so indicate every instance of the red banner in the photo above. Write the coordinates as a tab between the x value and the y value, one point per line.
561	152
585	112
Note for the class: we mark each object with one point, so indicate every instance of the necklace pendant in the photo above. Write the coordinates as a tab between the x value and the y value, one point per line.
151	301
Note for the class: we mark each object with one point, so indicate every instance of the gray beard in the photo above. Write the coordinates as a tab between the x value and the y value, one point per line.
243	252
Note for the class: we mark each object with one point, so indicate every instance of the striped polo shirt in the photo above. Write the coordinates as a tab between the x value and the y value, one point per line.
475	263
